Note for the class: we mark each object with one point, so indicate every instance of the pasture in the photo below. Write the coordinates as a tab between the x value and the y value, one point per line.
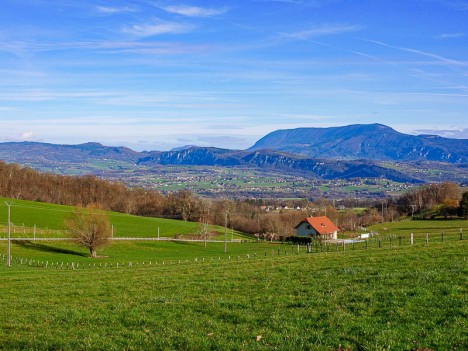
153	295
377	299
49	221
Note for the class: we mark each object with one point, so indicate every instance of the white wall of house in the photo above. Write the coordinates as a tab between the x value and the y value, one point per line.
305	230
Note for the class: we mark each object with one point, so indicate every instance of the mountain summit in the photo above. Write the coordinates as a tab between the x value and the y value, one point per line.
365	141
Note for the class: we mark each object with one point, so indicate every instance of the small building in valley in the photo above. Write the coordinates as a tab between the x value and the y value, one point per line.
321	227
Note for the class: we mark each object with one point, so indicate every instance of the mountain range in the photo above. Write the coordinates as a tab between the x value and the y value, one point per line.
365	141
319	153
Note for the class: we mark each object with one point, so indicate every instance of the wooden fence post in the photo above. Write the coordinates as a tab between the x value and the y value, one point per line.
411	238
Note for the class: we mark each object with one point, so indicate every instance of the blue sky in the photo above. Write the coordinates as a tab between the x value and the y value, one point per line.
152	74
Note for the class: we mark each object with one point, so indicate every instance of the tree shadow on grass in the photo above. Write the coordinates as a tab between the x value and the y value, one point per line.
183	242
46	248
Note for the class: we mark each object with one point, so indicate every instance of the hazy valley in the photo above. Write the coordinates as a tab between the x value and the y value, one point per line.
264	172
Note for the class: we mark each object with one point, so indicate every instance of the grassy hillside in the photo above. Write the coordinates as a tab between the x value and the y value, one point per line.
49	221
406	298
257	296
419	228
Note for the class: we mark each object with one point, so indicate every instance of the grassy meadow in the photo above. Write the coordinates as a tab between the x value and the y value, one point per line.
49	221
421	227
401	298
146	295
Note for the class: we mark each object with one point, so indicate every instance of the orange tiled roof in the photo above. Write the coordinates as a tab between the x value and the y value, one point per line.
321	224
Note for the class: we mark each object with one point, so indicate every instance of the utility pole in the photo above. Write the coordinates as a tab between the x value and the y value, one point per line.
412	211
225	231
382	212
9	237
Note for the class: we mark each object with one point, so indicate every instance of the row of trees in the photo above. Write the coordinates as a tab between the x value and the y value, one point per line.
441	199
27	184
246	216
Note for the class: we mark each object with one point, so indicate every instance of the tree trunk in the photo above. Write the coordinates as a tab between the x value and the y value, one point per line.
93	253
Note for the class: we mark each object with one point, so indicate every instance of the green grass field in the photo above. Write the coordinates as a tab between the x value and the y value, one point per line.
377	299
147	295
419	228
49	221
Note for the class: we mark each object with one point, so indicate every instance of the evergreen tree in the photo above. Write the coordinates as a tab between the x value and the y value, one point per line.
463	208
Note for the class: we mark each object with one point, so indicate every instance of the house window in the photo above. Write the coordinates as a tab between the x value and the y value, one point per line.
308	227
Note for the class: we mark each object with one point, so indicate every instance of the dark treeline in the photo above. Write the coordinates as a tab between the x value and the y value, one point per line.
27	184
249	216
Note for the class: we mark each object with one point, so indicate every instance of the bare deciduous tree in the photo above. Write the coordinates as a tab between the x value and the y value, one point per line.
90	227
204	231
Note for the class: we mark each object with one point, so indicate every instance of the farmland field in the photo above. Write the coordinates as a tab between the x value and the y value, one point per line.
49	221
399	298
384	294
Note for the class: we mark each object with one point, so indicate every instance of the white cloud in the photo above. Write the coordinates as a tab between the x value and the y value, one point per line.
158	28
193	11
457	133
323	30
113	10
42	95
29	135
438	58
307	3
450	36
286	1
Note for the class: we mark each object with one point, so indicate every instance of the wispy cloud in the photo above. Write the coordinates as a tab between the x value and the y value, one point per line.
7	109
461	5
324	30
158	27
107	10
439	58
458	133
286	1
450	35
307	3
43	95
108	47
28	135
193	11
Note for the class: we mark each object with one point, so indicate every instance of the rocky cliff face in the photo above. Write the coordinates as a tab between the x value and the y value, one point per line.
277	161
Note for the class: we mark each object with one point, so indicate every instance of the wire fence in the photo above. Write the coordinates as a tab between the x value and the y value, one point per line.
16	230
273	250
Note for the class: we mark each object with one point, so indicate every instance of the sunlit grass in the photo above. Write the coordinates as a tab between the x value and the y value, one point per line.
376	299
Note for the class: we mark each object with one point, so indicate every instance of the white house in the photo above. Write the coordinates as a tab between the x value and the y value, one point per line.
317	226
